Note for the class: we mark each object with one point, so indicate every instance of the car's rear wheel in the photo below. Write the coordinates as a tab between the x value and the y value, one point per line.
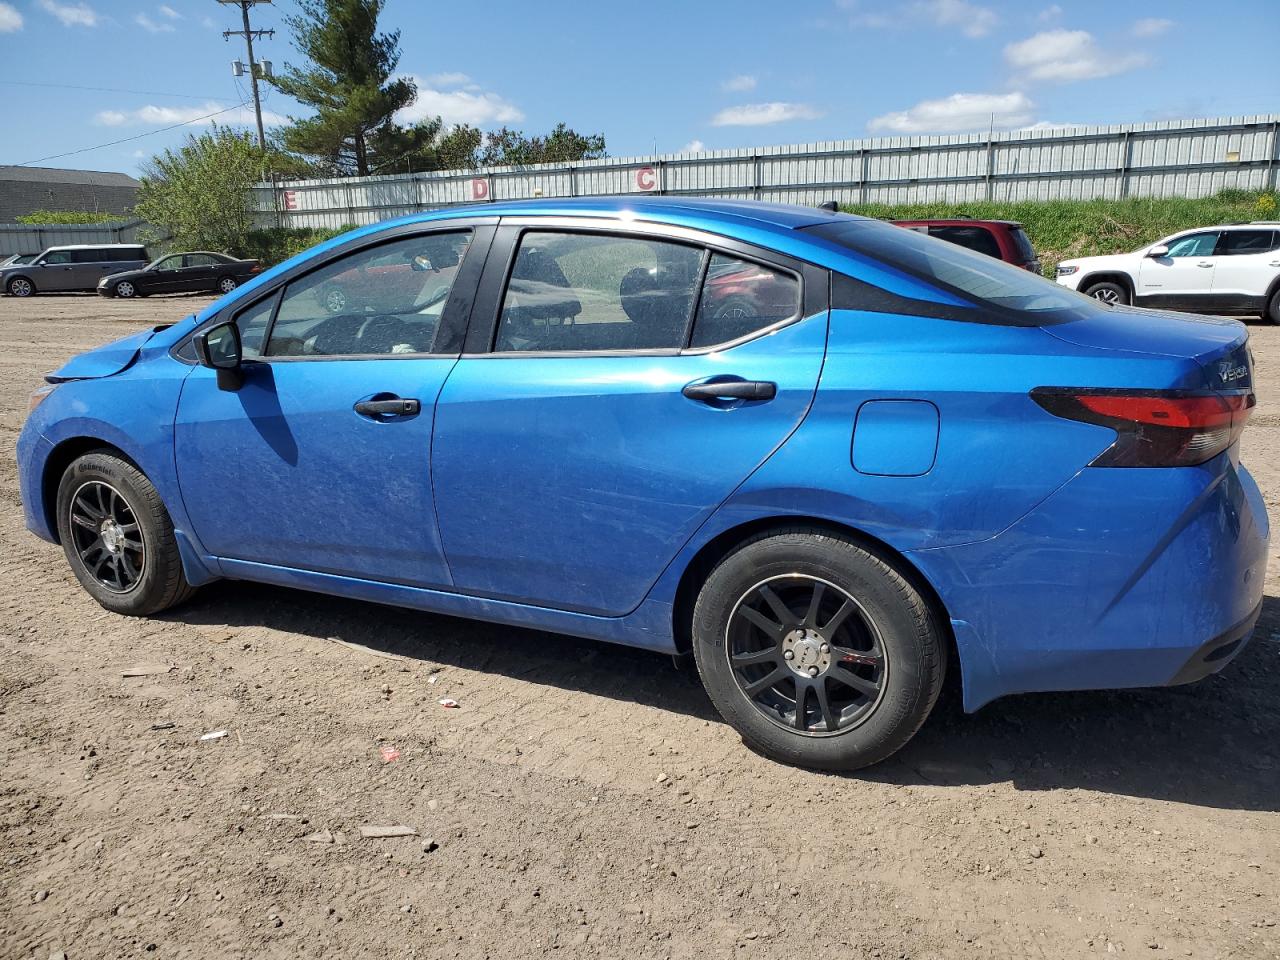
227	284
118	537
818	651
21	287
126	289
1108	292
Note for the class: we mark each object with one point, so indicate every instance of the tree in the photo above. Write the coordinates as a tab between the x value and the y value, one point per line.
200	192
562	145
350	85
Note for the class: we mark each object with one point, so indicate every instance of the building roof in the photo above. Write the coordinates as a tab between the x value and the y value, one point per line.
91	178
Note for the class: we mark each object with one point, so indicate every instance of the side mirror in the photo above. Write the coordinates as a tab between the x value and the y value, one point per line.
1159	250
218	348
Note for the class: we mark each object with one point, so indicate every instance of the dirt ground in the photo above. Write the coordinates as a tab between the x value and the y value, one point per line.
584	798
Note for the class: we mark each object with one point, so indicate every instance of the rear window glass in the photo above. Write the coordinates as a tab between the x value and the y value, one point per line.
975	238
1019	296
1023	243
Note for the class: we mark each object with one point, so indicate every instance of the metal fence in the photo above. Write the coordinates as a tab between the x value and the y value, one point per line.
23	238
1189	158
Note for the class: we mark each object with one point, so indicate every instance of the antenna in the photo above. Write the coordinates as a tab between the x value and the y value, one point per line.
255	70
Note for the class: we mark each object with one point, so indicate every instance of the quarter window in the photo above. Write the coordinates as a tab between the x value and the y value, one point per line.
739	298
380	301
1194	245
253	322
589	292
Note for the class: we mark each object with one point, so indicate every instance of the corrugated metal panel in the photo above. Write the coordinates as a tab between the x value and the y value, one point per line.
1166	158
35	238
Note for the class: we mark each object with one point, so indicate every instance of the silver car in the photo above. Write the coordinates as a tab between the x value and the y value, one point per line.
75	267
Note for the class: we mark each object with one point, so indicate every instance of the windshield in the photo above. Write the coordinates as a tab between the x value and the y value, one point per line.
986	281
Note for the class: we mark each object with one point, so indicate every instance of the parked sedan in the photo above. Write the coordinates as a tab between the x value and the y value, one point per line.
181	273
892	457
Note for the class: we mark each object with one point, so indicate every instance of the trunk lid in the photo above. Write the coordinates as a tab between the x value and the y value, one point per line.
1219	346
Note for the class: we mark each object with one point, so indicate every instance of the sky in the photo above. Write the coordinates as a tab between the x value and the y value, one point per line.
658	76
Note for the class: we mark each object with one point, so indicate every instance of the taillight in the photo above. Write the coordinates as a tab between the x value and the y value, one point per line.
1156	428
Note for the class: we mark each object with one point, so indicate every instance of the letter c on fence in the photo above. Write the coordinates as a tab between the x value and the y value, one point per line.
646	179
479	189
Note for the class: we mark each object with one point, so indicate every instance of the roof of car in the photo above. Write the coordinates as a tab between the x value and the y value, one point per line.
645	206
957	222
96	246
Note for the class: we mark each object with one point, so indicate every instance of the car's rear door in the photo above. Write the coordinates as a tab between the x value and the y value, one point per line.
592	424
320	461
198	272
1247	263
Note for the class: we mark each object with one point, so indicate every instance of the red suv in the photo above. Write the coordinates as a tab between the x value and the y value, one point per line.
1003	239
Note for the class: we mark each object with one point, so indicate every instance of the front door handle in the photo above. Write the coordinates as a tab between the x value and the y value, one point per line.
731	390
399	407
1274	263
1204	264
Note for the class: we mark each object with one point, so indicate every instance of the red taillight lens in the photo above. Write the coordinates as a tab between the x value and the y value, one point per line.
1155	429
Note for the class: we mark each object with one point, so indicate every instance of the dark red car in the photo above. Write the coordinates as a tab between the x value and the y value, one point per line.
1003	239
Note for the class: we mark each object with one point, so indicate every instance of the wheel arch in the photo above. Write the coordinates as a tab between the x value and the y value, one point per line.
722	544
1108	276
62	456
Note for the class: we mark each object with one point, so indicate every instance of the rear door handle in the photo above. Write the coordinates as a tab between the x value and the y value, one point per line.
1274	263
731	390
398	407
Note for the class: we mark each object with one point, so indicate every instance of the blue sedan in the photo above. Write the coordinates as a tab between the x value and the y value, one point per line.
830	457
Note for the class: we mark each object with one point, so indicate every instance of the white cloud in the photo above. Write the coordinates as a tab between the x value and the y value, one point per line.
693	146
447	80
169	12
469	105
960	112
1067	55
1051	12
1151	26
207	23
742	83
10	18
152	115
763	114
973	20
77	15
152	26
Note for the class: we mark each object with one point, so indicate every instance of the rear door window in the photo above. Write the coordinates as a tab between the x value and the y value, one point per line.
1236	243
739	298
88	256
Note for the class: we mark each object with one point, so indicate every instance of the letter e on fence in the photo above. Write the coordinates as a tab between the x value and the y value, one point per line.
479	189
646	179
290	199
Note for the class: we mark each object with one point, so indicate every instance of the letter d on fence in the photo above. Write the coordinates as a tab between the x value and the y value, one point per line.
479	189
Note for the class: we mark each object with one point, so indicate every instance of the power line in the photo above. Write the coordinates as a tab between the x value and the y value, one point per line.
144	93
149	133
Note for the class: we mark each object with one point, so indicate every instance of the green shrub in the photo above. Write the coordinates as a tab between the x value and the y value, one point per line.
1063	229
41	217
276	244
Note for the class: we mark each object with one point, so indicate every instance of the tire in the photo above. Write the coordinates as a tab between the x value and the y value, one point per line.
1108	292
21	287
1273	308
130	562
126	289
227	284
881	631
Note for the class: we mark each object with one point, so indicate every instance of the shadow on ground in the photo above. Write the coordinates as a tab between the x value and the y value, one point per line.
1214	744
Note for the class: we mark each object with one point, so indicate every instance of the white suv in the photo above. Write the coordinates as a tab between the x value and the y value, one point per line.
1233	269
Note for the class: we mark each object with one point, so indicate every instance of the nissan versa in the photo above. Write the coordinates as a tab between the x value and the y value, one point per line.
828	455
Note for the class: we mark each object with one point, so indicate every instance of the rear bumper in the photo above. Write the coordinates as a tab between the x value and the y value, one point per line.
1122	578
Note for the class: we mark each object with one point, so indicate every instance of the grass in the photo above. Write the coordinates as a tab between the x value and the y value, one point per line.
1062	229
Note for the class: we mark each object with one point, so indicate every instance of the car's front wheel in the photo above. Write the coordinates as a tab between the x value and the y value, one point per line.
126	289
1273	308
818	651
1108	292
21	287
227	284
117	536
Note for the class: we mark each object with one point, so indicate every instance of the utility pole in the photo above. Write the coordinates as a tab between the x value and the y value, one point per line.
249	34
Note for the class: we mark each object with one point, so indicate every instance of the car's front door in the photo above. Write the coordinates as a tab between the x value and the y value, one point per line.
1183	278
320	461
56	271
165	276
615	397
